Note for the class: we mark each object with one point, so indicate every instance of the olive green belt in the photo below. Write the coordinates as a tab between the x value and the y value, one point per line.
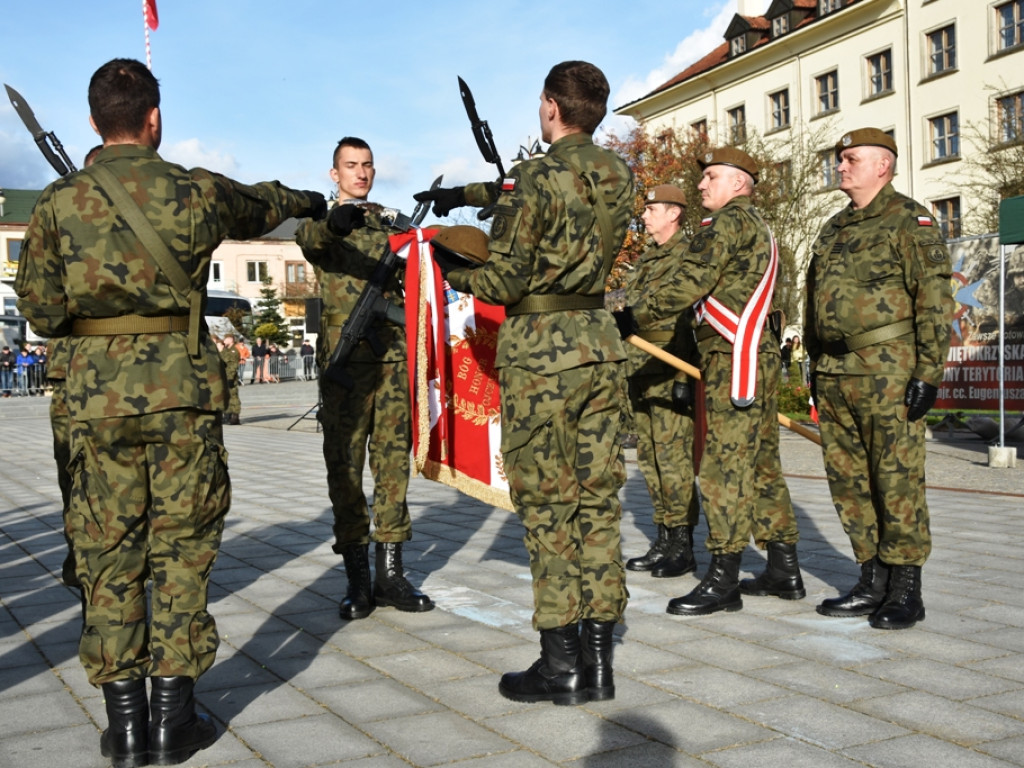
334	319
128	325
657	336
868	338
539	303
705	332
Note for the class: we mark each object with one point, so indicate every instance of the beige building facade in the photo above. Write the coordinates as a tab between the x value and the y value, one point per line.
933	73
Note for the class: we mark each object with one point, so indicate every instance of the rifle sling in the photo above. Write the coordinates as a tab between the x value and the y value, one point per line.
142	227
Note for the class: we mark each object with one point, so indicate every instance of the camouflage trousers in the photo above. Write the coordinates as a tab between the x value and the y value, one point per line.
234	402
375	416
741	482
874	459
561	439
664	450
148	498
61	428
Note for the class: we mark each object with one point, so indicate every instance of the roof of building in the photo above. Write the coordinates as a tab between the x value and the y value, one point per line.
18	205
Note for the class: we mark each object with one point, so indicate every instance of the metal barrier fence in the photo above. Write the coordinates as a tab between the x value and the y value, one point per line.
278	368
24	380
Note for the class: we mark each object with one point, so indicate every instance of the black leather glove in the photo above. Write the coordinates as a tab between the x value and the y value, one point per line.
317	209
444	199
344	218
626	322
447	261
919	399
682	394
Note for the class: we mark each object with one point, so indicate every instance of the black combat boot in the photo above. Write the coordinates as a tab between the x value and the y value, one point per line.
557	676
654	554
678	557
391	586
176	731
903	606
596	640
866	596
358	600
126	740
781	577
718	591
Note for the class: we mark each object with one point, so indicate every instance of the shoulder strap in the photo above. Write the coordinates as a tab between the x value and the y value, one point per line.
152	242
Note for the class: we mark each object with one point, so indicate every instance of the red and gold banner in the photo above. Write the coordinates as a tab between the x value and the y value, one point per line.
456	404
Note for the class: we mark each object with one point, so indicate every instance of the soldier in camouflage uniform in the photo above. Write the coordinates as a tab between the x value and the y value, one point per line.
375	410
877	328
144	394
660	396
728	272
231	358
559	221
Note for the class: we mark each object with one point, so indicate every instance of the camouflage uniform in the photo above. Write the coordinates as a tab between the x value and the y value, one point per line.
232	358
870	268
375	413
56	373
149	471
741	480
560	374
664	446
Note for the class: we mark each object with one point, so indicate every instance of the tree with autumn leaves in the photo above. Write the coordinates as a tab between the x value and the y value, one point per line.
789	194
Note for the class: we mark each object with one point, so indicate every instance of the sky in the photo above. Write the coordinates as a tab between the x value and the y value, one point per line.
262	89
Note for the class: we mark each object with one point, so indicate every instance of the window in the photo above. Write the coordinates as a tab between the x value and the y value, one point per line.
827	6
780	109
256	271
1010	24
10	305
700	128
737	45
942	50
780	25
295	272
947	214
945	135
827	86
880	73
13	250
737	124
1010	117
782	173
216	272
827	163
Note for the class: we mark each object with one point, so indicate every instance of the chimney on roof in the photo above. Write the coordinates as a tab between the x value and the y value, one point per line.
750	7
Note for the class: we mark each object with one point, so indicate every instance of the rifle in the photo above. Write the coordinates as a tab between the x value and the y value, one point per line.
371	304
484	139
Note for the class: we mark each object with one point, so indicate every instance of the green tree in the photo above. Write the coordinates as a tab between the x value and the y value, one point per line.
268	321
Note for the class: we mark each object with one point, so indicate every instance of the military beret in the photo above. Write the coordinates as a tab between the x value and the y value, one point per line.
870	137
665	193
737	158
468	242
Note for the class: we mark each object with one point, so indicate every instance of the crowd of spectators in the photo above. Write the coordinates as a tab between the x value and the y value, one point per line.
23	372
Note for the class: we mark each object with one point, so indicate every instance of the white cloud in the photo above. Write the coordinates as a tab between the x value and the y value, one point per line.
191	154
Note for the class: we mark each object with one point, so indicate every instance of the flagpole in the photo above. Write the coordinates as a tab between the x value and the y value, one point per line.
145	27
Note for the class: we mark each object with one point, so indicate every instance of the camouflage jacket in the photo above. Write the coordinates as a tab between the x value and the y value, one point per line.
726	258
872	267
343	267
656	266
80	260
231	358
545	240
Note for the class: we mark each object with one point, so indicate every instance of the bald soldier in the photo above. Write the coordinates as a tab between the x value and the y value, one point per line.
877	328
660	396
728	273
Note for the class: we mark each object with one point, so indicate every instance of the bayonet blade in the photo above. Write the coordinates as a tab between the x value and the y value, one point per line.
55	154
25	113
420	211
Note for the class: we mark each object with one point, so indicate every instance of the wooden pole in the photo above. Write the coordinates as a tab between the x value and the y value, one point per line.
693	372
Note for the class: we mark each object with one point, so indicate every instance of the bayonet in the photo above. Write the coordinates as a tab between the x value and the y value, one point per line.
481	131
48	143
420	211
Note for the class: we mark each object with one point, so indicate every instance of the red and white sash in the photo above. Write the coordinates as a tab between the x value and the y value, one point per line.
743	331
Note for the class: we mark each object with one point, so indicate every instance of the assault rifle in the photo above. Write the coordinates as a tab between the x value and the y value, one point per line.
371	304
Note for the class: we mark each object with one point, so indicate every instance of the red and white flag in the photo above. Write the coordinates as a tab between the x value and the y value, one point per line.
456	403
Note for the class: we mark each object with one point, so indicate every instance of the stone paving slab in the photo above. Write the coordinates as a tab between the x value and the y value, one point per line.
772	685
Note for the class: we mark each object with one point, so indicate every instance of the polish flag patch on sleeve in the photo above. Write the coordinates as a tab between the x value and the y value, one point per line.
507	185
706	222
924	221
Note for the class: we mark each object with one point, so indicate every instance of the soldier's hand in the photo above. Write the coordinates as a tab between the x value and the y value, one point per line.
682	394
317	209
919	398
344	218
626	322
444	199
